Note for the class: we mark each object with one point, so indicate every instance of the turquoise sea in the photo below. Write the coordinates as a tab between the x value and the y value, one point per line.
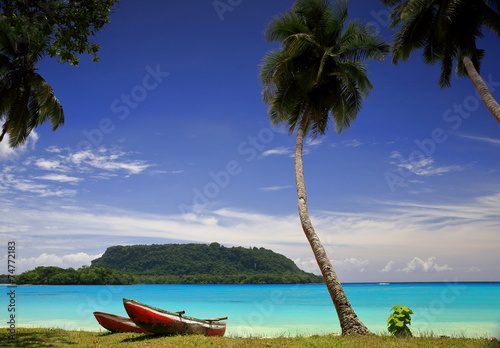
466	309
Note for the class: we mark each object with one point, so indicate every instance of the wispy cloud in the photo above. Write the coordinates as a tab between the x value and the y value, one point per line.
47	176
55	164
350	264
314	142
353	143
7	153
75	260
167	171
483	139
280	151
107	160
421	165
388	267
418	265
12	183
357	241
275	188
59	178
348	143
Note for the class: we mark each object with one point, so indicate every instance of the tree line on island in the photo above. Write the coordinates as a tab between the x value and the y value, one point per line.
176	264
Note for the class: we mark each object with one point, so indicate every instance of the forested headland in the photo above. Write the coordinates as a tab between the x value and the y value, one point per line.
176	264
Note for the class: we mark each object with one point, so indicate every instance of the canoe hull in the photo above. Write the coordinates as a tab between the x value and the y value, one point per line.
162	322
116	323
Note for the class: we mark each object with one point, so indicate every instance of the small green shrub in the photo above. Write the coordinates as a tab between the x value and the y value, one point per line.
398	321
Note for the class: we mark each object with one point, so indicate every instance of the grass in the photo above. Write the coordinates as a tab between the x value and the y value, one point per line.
38	338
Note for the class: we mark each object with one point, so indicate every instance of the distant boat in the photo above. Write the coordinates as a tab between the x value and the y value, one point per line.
162	322
115	323
384	283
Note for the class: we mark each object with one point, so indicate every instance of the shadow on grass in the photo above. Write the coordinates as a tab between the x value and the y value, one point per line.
143	337
33	340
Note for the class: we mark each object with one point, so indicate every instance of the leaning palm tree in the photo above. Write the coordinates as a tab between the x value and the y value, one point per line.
447	31
318	74
26	99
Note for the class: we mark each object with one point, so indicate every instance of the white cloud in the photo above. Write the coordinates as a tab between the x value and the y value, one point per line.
351	264
352	143
421	165
309	265
275	188
11	183
483	139
315	141
53	149
50	164
417	265
62	167
358	241
8	153
59	178
166	171
76	260
282	150
387	267
107	160
348	143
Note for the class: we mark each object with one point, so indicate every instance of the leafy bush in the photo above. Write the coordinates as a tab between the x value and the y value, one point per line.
398	321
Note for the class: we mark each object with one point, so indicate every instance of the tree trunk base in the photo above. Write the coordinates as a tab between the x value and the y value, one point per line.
356	330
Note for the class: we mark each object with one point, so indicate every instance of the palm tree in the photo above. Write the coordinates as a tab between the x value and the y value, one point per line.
318	73
26	99
447	31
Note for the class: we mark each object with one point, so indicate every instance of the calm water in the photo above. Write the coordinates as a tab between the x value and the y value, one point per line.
470	309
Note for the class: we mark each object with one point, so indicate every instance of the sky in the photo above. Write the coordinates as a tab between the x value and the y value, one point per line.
167	140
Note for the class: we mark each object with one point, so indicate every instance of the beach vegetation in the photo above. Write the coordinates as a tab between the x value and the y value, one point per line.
40	337
398	321
447	32
318	76
52	275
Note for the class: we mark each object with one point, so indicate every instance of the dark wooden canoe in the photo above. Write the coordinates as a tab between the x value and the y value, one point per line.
162	322
115	323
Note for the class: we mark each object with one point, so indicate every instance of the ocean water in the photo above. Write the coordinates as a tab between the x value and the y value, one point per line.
465	309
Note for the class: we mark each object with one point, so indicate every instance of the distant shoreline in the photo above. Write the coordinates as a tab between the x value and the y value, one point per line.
291	284
432	282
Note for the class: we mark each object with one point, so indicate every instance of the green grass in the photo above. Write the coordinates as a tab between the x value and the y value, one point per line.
38	338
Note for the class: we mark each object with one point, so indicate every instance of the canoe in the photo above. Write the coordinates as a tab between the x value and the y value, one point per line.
115	323
162	322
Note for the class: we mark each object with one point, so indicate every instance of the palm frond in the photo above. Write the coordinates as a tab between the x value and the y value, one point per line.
283	26
446	66
446	30
318	72
361	44
26	99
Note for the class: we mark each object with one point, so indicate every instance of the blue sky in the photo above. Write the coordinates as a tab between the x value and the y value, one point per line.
167	140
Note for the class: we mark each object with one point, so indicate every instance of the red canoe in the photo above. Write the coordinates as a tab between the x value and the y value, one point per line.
161	322
115	323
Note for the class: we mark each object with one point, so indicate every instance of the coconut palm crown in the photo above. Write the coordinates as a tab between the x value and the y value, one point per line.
319	75
319	72
447	32
26	99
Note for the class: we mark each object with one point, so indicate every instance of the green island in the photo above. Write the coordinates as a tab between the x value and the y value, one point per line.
175	264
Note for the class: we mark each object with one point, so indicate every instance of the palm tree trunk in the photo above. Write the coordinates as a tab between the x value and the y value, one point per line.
482	88
349	321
